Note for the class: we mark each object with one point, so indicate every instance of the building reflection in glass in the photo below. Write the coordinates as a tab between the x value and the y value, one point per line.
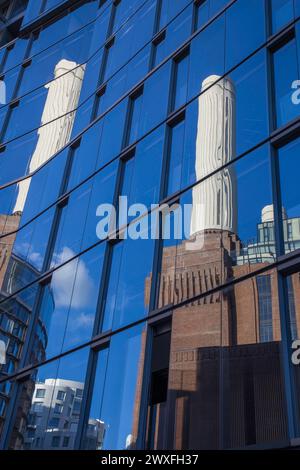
216	374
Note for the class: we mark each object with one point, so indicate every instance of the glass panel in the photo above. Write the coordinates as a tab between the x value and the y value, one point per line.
44	424
282	13
207	56
51	4
111	143
249	91
248	223
155	111
241	37
59	59
178	31
134	118
176	136
159	51
285	73
217	231
293	318
206	9
288	164
219	373
65	25
85	155
170	10
118	380
15	53
131	265
25	252
68	304
142	173
201	13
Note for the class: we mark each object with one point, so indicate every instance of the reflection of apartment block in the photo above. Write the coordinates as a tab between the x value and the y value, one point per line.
237	332
54	416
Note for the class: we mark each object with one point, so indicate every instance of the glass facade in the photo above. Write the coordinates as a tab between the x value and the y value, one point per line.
149	224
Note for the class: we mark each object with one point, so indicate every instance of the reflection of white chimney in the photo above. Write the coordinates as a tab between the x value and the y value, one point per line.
63	96
214	200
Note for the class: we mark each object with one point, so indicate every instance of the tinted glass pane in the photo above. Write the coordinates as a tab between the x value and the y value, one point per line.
250	101
241	37
285	73
207	56
282	13
122	384
131	264
181	82
220	373
50	424
68	306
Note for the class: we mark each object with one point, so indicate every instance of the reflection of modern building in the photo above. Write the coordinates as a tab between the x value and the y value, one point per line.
54	415
174	344
15	313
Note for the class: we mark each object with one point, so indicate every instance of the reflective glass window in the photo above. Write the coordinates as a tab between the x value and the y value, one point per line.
247	90
288	164
68	304
67	373
134	117
131	266
282	13
207	56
